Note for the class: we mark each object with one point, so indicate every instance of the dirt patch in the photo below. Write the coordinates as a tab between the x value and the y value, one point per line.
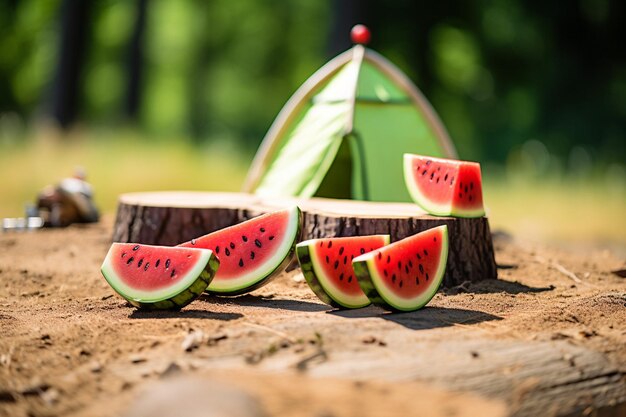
69	346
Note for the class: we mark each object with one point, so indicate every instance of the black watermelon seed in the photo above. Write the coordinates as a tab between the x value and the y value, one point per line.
345	259
380	255
341	251
257	242
406	269
461	184
140	263
251	255
401	283
421	268
432	175
418	256
425	252
341	277
321	244
130	260
437	180
136	247
350	278
193	241
362	251
424	172
227	252
244	238
351	257
330	244
451	180
434	238
156	265
385	272
262	230
438	168
167	264
327	260
232	245
123	254
399	264
241	262
471	185
410	264
460	195
173	273
417	281
145	267
470	198
465	189
446	177
428	162
426	276
271	238
336	264
217	250
393	278
388	259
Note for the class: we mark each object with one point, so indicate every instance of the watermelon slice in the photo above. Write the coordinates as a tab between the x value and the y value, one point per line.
251	252
158	277
406	274
444	187
327	267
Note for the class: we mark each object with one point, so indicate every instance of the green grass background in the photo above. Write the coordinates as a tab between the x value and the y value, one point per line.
546	207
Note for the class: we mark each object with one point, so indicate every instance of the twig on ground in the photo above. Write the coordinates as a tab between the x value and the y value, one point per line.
303	363
566	272
560	268
269	329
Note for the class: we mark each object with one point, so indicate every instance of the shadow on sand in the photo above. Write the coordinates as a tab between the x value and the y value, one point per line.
184	313
426	318
493	286
250	300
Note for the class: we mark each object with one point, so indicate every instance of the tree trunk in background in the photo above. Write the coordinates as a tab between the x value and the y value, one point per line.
135	63
74	31
347	13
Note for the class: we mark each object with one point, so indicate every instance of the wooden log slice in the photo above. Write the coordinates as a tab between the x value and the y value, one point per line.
168	218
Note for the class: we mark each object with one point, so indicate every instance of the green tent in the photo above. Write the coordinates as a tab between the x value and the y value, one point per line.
342	134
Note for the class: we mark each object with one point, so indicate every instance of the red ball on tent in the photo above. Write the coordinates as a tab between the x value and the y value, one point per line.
360	34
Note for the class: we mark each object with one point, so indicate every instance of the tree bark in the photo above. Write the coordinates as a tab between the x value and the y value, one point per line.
168	218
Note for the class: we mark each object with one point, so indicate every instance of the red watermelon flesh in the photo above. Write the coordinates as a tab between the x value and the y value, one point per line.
336	255
406	274
158	277
149	267
444	187
251	251
327	267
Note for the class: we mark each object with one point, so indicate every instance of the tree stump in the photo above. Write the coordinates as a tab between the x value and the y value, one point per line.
168	218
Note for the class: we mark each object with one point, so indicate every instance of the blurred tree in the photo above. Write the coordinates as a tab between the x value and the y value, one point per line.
135	62
65	91
501	73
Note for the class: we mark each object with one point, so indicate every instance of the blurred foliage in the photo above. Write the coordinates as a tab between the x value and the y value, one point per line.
512	80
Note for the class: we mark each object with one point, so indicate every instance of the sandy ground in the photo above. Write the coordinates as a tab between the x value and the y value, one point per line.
69	346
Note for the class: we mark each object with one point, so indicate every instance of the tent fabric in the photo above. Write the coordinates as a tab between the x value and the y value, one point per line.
364	102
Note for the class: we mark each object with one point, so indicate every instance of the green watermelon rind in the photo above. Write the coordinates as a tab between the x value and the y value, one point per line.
278	263
186	290
373	286
425	203
318	282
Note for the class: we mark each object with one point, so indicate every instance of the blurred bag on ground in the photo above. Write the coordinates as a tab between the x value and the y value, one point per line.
70	201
